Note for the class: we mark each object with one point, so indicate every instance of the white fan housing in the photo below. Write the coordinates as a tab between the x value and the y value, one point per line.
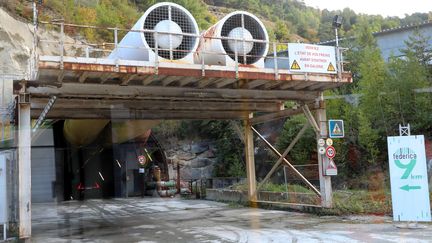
218	47
169	20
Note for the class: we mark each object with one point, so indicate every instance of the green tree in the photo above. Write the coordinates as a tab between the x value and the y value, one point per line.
302	151
418	46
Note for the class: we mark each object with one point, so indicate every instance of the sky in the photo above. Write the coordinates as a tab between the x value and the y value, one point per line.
377	7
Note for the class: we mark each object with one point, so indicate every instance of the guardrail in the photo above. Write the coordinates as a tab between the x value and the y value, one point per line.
276	59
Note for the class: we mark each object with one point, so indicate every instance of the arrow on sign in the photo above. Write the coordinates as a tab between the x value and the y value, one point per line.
408	187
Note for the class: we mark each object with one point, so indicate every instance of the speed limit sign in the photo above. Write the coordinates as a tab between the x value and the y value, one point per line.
330	152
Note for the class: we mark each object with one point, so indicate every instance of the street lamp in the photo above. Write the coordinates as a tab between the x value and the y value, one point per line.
337	23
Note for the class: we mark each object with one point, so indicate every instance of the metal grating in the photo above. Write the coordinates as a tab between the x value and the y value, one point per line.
182	19
249	23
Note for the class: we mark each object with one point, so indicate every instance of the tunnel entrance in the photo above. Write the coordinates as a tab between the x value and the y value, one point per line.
98	169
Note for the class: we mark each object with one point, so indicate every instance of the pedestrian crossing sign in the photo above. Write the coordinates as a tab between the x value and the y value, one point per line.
336	128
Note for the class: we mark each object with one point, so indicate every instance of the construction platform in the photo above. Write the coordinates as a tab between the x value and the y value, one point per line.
96	88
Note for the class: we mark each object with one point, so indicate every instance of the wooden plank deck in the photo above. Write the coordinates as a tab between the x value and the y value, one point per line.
103	88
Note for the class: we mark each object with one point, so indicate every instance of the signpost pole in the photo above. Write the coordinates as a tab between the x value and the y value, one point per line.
325	181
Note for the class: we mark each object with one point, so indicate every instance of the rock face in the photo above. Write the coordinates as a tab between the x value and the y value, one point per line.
196	158
16	41
16	44
16	50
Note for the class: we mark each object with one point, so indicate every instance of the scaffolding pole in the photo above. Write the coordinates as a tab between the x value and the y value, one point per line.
250	160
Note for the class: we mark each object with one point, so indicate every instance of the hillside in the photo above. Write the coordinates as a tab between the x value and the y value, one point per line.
286	20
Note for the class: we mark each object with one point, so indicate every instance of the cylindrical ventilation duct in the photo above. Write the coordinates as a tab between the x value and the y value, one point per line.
239	32
160	20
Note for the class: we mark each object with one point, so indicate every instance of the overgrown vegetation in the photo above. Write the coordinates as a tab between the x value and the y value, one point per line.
386	94
286	20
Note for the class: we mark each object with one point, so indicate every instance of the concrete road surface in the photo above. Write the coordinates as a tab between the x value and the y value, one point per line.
176	220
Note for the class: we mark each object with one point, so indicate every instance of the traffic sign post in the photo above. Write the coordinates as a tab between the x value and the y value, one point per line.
408	178
330	168
336	129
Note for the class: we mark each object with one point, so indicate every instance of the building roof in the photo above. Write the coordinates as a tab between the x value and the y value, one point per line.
383	32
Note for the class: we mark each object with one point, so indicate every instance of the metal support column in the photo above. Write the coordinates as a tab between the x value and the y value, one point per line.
325	181
24	166
250	160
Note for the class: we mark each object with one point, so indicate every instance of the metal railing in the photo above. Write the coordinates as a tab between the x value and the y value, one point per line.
277	57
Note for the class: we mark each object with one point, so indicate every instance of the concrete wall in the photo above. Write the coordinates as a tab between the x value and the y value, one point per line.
241	196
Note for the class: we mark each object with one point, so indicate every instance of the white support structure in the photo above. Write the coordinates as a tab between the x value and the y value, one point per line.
3	195
250	161
404	130
24	168
325	181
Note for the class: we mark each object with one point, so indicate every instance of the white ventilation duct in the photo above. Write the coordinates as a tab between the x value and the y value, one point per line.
161	17
219	48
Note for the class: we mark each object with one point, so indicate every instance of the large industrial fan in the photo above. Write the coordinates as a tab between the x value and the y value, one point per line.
239	36
166	28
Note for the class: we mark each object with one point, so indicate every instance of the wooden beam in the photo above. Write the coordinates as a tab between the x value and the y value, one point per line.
168	80
61	75
289	85
254	83
91	90
187	80
104	77
285	153
148	79
272	84
317	86
250	160
206	82
82	78
127	78
303	85
204	105
225	82
141	114
275	116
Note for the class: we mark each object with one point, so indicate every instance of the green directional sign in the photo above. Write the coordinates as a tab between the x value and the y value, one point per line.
408	178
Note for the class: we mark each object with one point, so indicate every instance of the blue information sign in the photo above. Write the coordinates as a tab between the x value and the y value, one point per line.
336	128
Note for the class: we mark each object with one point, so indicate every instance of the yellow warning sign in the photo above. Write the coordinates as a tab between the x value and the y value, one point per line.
331	68
295	65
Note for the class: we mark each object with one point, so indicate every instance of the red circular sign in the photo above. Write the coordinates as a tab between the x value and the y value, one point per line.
330	152
142	159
